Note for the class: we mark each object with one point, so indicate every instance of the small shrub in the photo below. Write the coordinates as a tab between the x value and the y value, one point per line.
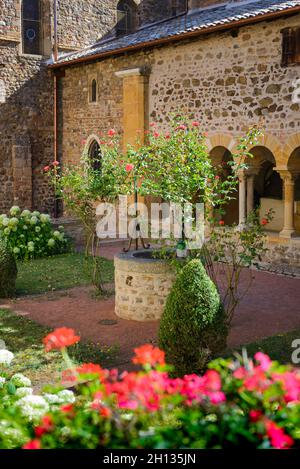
8	271
30	234
192	320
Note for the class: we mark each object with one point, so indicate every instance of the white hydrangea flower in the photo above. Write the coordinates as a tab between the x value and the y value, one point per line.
20	381
16	250
45	218
36	213
2	382
26	213
66	397
33	220
6	357
24	391
62	397
51	242
15	210
13	222
33	407
56	234
5	221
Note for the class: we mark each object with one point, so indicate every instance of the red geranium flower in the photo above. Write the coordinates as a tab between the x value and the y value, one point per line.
152	124
149	355
45	427
264	221
156	134
90	369
181	127
60	339
67	409
111	132
33	444
221	222
278	438
195	124
255	415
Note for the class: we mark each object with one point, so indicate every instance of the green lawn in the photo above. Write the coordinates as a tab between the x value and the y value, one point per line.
24	338
58	273
278	347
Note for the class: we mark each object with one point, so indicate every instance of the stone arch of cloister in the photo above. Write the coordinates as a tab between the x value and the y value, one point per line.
271	181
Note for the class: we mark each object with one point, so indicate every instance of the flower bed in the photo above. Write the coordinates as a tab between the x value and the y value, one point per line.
249	403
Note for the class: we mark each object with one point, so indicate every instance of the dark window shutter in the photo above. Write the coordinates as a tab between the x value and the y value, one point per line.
288	46
297	46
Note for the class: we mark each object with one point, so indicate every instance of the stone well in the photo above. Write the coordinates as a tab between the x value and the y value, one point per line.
142	285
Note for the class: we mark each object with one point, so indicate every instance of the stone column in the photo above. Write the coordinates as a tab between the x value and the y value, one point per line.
250	193
242	198
289	204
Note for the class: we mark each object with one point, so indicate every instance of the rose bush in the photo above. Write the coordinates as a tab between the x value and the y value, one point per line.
30	234
237	402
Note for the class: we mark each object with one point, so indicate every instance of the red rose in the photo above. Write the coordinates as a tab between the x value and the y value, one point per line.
55	163
60	339
33	444
129	168
156	134
111	132
67	409
221	222
264	222
46	169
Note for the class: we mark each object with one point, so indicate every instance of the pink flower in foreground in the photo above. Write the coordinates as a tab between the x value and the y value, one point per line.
156	134
278	438
111	133
196	124
149	355
152	124
33	444
46	169
129	168
60	338
55	163
263	360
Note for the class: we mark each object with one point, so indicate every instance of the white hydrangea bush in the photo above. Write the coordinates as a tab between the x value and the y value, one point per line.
30	234
20	407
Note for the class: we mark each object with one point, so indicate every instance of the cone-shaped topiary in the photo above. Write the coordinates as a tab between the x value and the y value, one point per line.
8	271
192	318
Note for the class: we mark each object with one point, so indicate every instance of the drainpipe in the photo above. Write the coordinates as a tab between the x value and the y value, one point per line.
55	56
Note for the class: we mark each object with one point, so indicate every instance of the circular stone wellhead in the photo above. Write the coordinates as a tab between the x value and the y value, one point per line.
142	285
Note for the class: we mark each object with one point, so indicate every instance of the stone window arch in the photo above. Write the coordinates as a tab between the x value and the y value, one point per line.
126	17
95	157
31	27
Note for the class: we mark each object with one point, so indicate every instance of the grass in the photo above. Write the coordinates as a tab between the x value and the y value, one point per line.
59	273
24	338
278	347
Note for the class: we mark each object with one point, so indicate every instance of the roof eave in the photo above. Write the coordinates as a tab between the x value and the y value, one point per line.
178	37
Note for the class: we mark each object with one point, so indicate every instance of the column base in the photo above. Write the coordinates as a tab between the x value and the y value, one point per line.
287	233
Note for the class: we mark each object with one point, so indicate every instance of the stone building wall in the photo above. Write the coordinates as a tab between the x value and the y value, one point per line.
26	93
228	83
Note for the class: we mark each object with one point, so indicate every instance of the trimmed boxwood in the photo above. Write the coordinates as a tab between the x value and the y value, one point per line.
192	326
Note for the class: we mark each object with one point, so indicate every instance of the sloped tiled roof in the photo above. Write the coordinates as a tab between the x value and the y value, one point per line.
199	21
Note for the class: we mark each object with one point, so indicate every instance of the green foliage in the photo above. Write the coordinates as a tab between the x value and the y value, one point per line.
60	273
192	312
30	234
8	271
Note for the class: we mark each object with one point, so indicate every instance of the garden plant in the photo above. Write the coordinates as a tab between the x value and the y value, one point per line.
253	403
31	235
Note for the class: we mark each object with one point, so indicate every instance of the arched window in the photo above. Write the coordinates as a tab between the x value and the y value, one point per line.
93	91
126	11
95	156
31	27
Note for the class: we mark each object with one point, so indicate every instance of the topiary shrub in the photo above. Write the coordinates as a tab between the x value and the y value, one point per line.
192	327
8	271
